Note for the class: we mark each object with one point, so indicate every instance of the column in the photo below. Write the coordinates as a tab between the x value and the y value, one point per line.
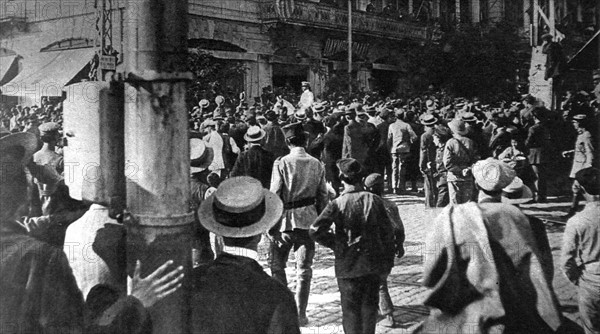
476	11
457	11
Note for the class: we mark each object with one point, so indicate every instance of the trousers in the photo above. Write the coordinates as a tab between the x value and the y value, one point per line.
460	192
386	306
540	183
589	306
304	249
430	190
399	167
359	298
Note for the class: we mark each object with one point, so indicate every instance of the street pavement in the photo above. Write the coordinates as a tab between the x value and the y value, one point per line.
324	310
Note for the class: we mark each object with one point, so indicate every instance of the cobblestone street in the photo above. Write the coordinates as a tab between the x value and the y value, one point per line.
324	309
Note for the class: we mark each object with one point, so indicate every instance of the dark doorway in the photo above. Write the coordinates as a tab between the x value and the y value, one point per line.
289	77
384	81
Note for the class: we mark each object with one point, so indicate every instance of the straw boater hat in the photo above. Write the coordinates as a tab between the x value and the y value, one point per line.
300	114
318	107
26	140
458	126
430	105
254	134
428	119
492	174
204	103
240	208
516	192
468	117
305	84
201	156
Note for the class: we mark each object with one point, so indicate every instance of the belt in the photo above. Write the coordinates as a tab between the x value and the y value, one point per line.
300	203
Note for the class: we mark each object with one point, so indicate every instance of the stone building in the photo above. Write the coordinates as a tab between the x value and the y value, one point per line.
47	44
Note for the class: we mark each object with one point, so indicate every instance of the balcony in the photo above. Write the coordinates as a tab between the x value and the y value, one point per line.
330	17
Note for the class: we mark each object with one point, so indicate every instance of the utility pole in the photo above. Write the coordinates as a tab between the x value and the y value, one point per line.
536	20
349	47
552	18
158	217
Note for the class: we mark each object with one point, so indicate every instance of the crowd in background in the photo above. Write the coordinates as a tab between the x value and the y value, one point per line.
290	167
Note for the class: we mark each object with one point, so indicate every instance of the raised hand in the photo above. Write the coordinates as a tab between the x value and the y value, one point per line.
157	285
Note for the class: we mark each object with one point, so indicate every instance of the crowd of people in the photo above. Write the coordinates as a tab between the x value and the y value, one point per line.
289	170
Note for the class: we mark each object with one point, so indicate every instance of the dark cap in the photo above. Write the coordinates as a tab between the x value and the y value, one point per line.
293	130
443	133
350	167
49	128
373	180
589	179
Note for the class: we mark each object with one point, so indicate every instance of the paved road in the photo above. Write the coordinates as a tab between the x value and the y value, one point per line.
324	309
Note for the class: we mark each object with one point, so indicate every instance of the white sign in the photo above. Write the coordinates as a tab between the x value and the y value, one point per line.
108	63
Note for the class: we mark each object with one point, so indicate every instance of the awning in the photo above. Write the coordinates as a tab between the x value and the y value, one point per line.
587	57
46	73
6	64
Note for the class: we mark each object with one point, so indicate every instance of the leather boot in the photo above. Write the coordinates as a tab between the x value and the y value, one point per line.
302	293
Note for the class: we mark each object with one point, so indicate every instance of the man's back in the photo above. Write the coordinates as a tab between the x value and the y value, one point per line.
297	177
363	241
581	249
38	292
400	135
255	162
274	140
355	144
234	295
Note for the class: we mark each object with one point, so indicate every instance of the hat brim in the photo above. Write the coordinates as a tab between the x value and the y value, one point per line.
250	139
273	213
457	130
27	140
432	122
526	196
208	159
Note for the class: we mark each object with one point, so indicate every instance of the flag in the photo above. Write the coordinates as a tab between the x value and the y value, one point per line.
284	8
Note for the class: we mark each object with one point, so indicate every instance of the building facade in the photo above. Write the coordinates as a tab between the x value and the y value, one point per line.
47	44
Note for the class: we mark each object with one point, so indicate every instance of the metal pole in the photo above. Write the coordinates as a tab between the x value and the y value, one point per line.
536	20
349	47
552	17
159	219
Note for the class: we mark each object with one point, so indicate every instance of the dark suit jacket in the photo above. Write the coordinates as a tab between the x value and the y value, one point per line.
363	241
39	294
234	295
255	162
274	140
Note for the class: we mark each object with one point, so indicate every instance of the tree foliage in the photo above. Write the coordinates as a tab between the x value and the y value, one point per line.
212	76
472	62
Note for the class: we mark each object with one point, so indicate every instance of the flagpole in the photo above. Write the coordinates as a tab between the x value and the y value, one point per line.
349	47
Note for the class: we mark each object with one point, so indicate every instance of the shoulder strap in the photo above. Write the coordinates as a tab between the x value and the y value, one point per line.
463	147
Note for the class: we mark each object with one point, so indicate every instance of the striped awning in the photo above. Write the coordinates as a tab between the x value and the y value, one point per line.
46	73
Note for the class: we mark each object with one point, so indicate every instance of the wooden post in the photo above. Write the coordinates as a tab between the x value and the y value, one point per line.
159	219
349	47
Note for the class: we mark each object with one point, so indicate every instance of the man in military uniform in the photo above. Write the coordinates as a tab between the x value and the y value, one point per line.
299	180
307	98
583	156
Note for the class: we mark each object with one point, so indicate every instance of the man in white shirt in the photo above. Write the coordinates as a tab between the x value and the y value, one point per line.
307	98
